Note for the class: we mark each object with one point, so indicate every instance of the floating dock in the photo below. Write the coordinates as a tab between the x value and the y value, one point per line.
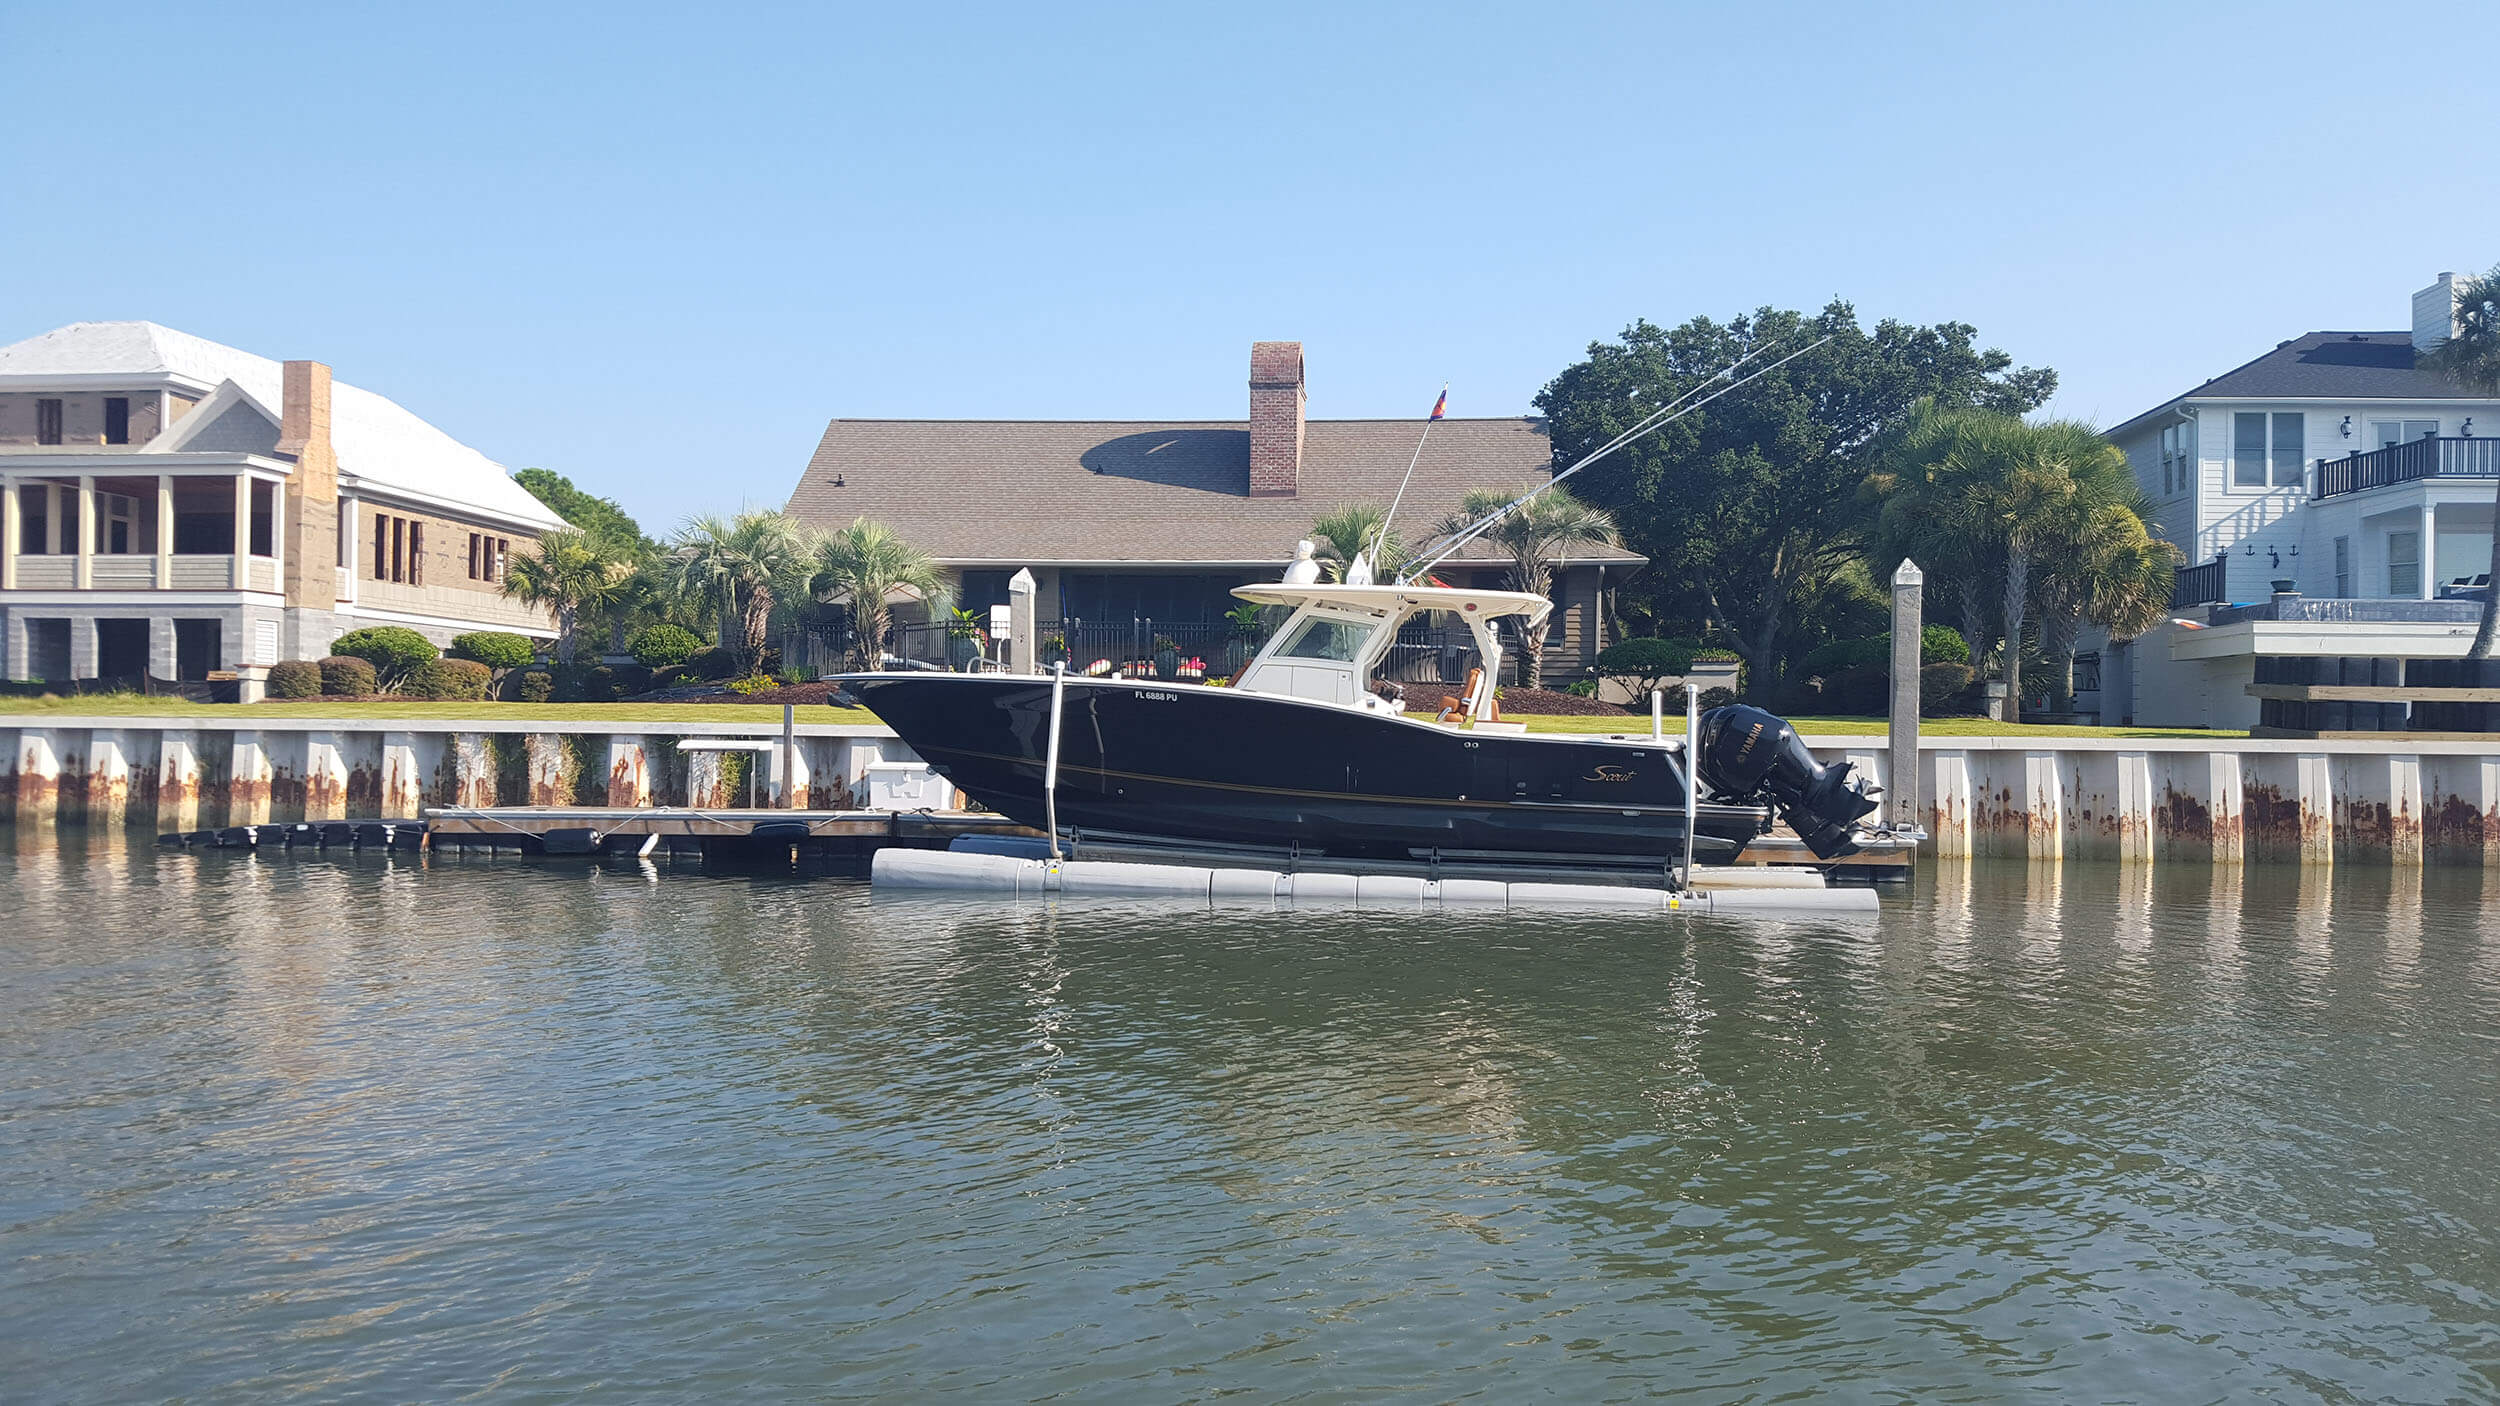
971	872
975	853
643	829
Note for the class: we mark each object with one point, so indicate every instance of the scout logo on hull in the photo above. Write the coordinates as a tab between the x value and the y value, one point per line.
1610	773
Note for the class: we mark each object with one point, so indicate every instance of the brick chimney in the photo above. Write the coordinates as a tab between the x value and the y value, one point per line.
2435	313
1275	419
311	530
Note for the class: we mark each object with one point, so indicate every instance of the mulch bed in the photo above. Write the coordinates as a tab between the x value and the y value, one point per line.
806	695
1551	703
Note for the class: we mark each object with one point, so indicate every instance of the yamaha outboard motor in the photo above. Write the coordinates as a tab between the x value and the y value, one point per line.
1747	752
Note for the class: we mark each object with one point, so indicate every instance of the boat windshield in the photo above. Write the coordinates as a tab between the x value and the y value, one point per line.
1322	638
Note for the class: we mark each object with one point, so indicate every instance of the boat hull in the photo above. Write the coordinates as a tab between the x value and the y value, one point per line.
1225	767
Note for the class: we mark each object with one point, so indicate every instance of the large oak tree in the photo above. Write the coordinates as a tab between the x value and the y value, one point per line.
1750	503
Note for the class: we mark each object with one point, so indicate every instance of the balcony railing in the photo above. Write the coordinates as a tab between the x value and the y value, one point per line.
2415	459
2201	584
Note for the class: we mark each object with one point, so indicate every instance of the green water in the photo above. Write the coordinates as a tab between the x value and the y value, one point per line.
313	1130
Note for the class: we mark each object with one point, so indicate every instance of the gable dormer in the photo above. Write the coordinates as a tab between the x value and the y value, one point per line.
229	421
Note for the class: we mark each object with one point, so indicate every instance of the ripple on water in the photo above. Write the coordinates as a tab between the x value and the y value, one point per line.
374	1129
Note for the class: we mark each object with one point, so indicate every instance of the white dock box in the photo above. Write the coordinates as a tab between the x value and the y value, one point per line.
907	786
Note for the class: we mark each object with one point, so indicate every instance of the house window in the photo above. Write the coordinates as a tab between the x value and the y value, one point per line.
34	527
416	553
2178	458
117	419
2384	433
2343	568
2251	450
47	422
381	547
399	549
120	520
2404	565
486	557
264	541
2290	444
2248	450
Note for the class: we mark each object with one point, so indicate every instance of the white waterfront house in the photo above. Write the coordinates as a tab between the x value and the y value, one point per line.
172	509
2334	500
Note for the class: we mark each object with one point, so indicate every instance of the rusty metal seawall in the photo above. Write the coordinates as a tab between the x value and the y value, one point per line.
167	774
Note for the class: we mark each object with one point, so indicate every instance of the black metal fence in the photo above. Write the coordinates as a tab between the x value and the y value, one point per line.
2201	584
2428	457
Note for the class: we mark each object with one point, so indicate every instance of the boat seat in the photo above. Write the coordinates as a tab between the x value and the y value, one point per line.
1464	706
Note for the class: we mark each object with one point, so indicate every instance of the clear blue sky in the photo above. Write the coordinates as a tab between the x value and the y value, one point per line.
657	248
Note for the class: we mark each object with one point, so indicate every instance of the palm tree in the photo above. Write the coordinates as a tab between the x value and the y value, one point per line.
1354	528
1993	495
1535	534
741	568
2471	358
571	573
865	563
2107	569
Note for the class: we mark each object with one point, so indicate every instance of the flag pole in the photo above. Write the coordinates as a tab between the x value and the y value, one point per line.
1380	539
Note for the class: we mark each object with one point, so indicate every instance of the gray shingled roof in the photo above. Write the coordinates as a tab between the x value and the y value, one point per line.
1032	492
2326	366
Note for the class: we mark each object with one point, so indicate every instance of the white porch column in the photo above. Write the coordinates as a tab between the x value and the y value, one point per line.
164	533
2430	550
242	577
11	524
85	570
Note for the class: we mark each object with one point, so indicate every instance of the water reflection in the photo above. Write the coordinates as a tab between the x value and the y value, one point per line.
394	1128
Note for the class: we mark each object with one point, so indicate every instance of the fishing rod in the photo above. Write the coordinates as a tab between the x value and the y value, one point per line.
1651	421
1646	423
1362	563
1656	420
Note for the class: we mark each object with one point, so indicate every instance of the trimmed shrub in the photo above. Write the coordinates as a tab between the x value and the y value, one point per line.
461	680
1941	686
450	680
665	646
717	662
495	649
596	684
1938	644
1644	663
295	678
1716	698
1860	690
346	676
533	686
394	651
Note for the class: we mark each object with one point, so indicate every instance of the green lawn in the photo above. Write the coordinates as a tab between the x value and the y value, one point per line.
137	706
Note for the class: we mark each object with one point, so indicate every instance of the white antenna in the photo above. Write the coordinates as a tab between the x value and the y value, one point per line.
1665	415
1380	539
